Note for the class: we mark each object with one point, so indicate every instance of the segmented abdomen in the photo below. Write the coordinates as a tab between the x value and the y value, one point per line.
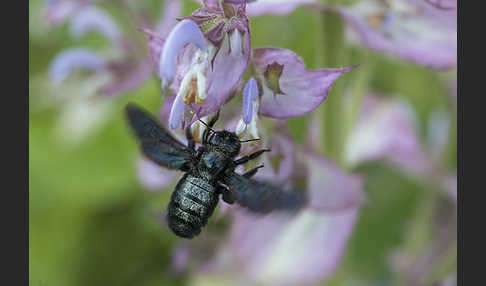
192	203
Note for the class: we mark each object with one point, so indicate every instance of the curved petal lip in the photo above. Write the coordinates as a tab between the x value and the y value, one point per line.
185	32
303	89
284	110
92	18
59	11
76	58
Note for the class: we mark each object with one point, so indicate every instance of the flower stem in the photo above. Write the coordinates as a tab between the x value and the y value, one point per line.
358	89
333	55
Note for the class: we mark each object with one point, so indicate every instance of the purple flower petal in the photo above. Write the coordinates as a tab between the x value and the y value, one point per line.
312	240
329	188
154	177
172	10
325	238
417	31
176	113
155	45
238	1
283	148
219	68
76	58
95	19
185	32
224	209
156	39
386	130
180	257
210	3
166	107
443	4
303	90
275	7
58	10
129	79
225	72
250	94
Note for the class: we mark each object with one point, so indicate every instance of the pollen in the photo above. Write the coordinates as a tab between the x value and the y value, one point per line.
191	94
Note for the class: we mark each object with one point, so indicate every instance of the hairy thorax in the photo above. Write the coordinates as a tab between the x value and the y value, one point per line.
213	163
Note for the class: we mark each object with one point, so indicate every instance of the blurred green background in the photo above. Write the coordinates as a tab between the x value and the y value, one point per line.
92	223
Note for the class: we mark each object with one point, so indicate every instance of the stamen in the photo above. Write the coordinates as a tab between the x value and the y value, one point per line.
250	95
185	86
248	121
241	129
201	88
191	92
253	127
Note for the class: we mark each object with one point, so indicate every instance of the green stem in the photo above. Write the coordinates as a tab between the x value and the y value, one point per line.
340	111
333	54
360	79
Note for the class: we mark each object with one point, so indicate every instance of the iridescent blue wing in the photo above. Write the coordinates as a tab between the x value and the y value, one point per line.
263	197
156	142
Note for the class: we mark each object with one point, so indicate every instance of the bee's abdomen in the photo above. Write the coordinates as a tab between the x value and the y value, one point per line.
192	203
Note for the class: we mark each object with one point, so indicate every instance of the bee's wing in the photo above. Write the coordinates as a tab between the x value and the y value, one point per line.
156	142
262	197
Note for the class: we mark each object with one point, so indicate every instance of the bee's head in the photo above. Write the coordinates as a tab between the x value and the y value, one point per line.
226	141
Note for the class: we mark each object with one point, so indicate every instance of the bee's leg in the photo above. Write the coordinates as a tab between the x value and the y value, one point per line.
252	172
191	144
252	156
210	125
226	195
213	120
199	151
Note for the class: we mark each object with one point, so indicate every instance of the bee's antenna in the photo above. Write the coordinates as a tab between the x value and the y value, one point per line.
204	123
249	140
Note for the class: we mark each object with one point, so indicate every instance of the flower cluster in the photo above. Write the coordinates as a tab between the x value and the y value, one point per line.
206	64
421	31
122	67
207	58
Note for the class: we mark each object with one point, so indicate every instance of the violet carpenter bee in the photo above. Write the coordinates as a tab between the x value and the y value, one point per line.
209	173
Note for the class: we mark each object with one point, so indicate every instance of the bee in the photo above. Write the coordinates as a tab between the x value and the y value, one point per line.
209	172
